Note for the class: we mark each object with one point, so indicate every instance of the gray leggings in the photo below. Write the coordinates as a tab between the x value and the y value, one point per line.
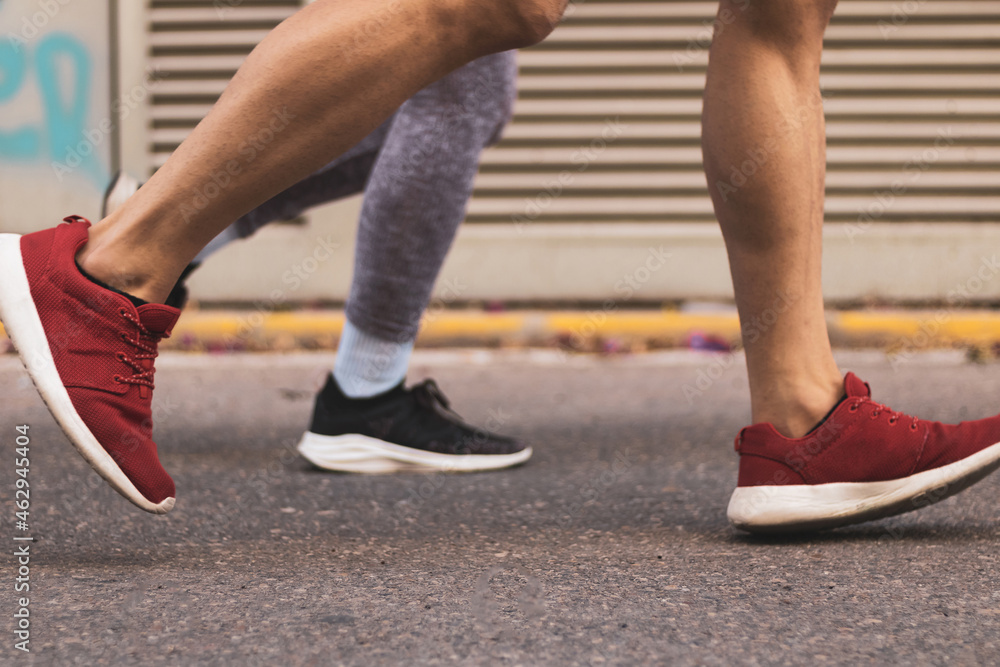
416	171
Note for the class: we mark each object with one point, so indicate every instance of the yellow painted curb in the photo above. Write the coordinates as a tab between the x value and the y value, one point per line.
920	328
896	329
464	325
654	324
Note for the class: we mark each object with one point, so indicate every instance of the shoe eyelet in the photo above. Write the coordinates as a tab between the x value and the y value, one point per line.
893	420
118	379
853	408
913	427
120	356
122	312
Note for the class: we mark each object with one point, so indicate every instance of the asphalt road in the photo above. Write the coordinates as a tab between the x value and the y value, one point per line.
609	547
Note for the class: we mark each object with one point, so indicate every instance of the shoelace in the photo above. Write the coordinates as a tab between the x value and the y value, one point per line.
459	436
430	396
143	375
894	416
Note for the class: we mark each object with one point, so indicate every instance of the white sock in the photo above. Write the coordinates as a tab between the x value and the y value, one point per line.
367	365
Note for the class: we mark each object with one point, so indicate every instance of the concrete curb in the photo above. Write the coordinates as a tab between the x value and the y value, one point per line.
584	330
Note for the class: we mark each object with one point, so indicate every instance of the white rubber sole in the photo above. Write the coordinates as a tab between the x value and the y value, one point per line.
23	326
359	453
800	507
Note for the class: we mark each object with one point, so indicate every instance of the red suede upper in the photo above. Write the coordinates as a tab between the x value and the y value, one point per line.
94	334
861	441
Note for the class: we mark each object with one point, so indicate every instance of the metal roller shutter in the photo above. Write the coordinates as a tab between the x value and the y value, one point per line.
896	74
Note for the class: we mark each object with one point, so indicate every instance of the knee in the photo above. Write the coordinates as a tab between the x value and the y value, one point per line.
497	101
789	25
504	111
514	24
536	19
476	100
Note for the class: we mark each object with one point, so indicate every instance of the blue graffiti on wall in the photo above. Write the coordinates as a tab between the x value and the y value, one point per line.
60	135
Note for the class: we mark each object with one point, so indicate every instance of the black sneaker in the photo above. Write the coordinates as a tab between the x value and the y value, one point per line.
401	430
123	185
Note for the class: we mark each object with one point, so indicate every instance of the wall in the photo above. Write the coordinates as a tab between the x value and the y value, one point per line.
897	77
56	125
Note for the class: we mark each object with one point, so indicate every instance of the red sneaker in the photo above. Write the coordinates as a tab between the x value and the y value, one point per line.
90	353
863	462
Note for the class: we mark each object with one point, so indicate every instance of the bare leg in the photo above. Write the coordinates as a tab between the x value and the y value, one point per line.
765	154
315	86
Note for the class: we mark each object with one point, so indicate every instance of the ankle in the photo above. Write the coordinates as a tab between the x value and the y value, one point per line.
368	365
123	270
795	409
